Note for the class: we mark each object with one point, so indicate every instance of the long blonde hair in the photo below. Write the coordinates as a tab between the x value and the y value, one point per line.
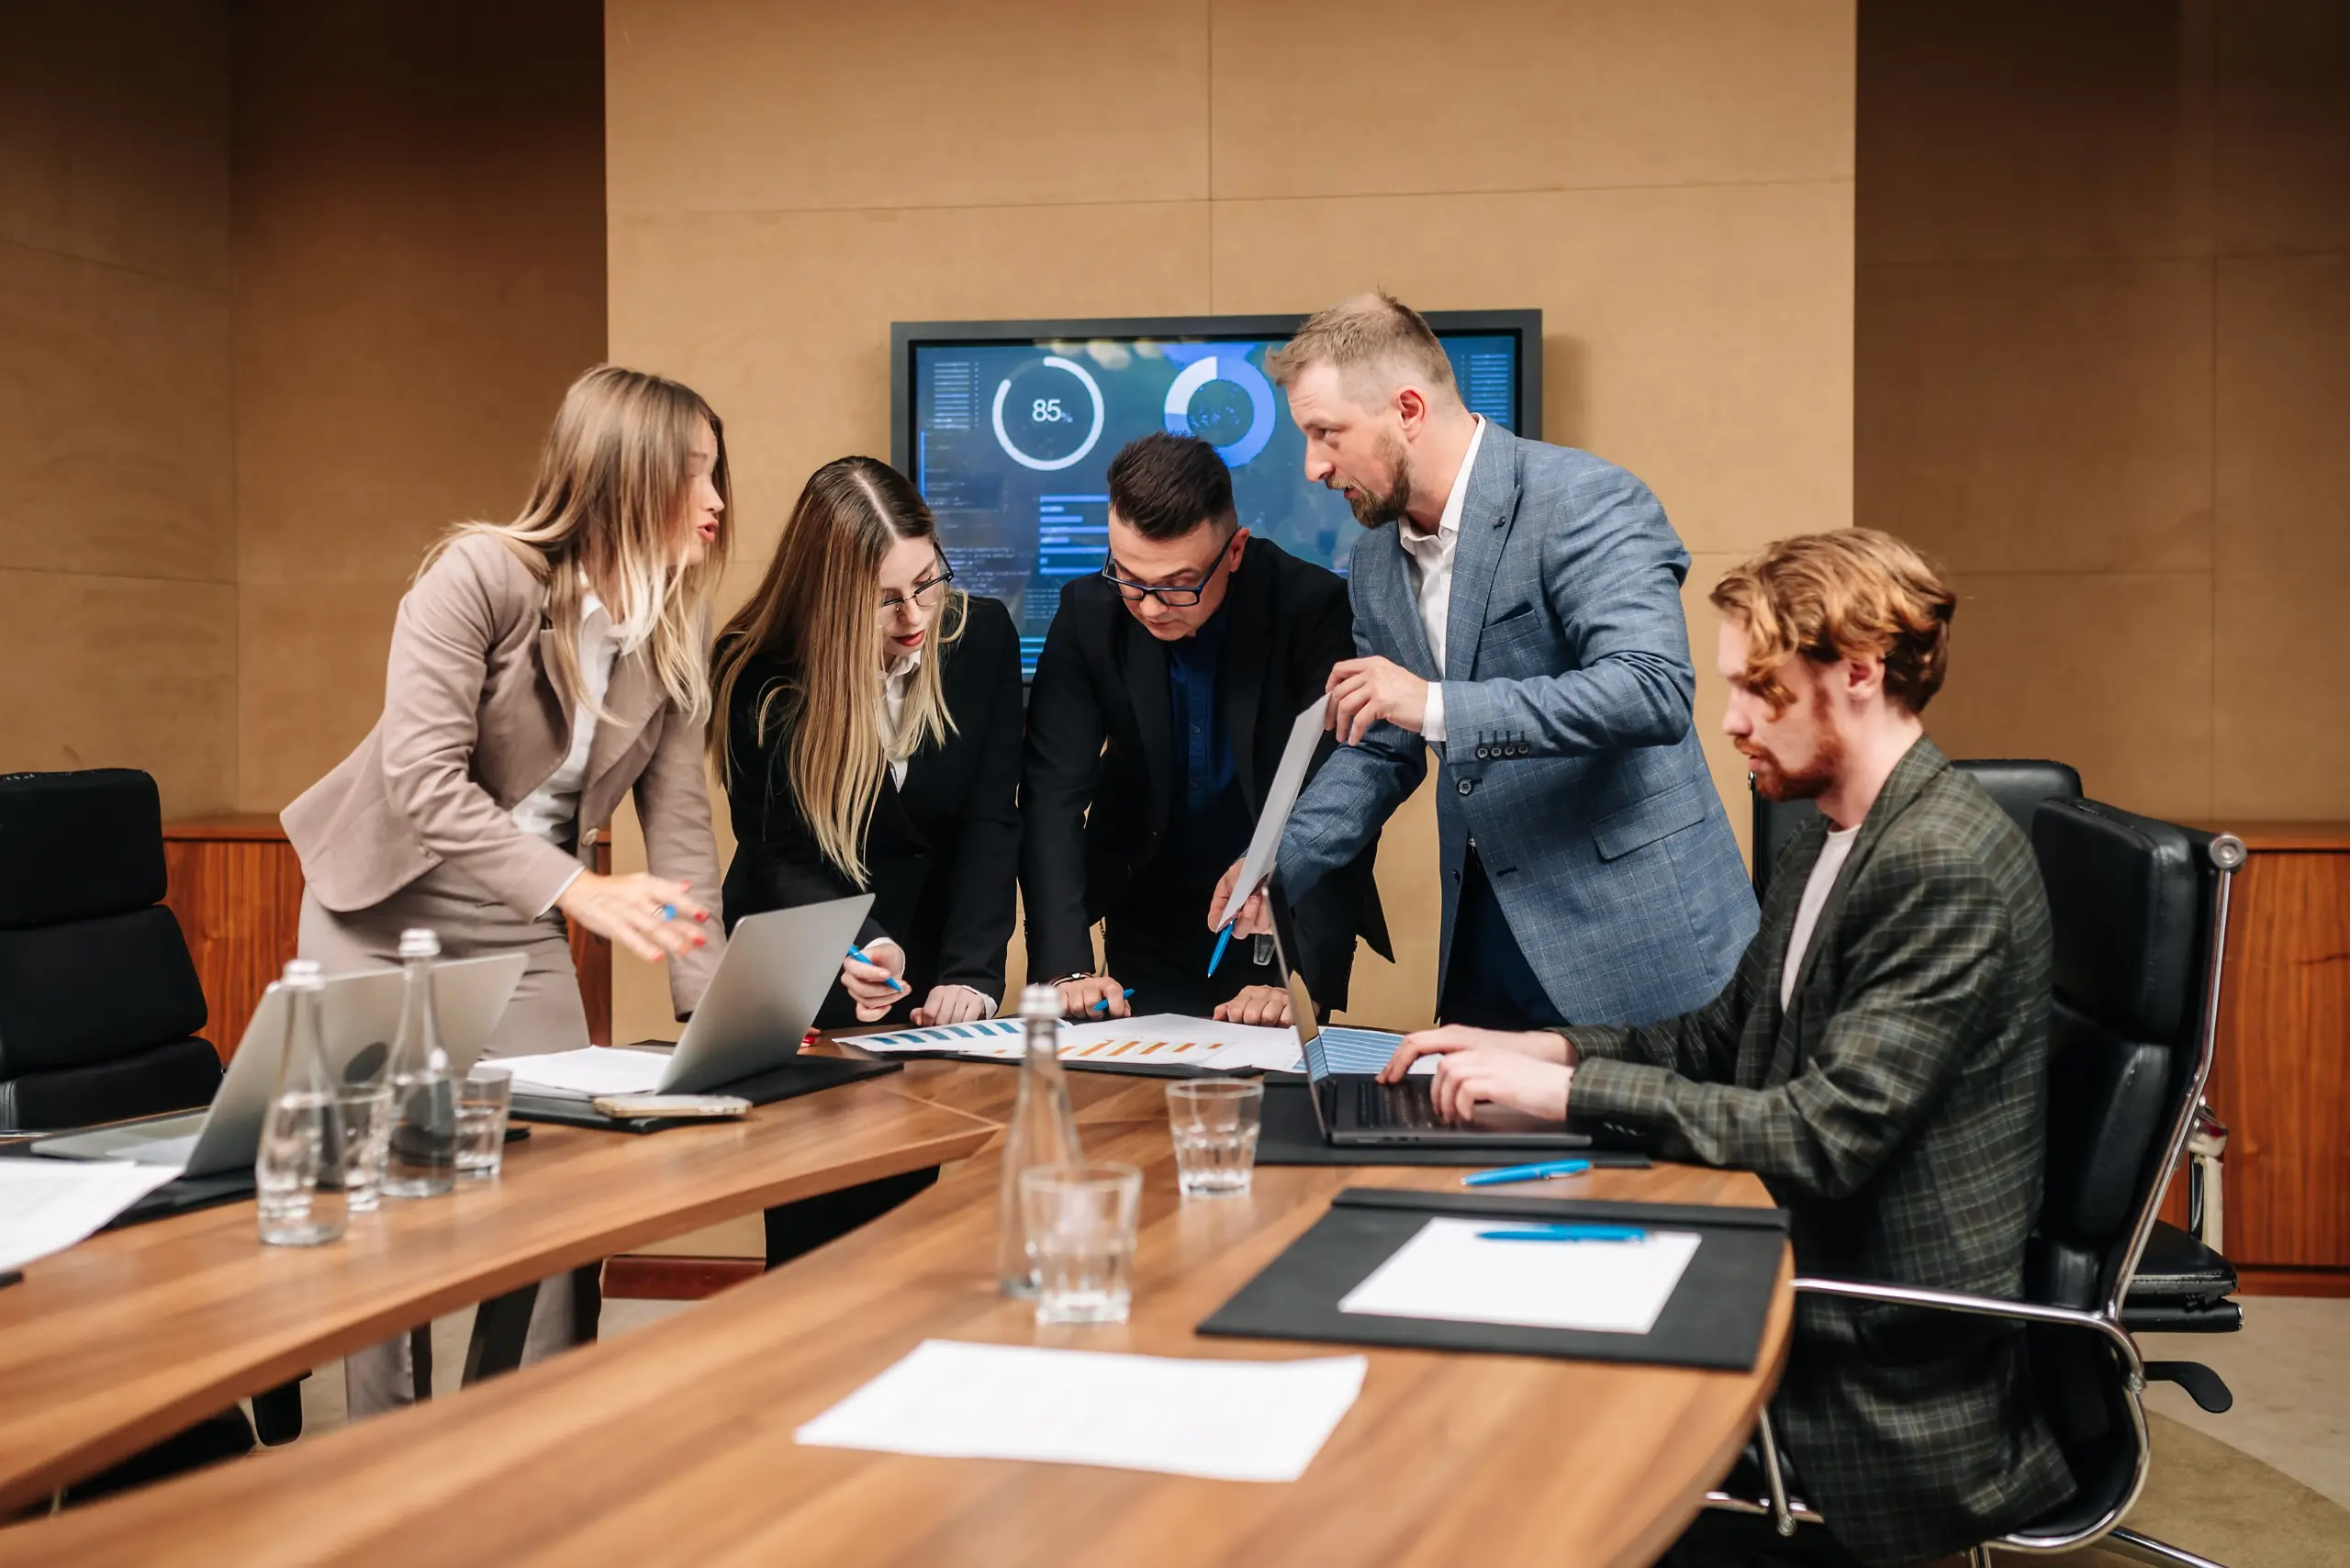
817	608
606	511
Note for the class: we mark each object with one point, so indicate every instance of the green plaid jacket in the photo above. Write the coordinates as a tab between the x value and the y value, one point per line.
1896	1109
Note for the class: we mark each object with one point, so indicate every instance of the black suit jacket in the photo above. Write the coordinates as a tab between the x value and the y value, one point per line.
1094	784
943	851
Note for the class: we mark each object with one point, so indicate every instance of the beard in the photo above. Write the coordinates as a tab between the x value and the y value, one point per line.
1377	511
1774	782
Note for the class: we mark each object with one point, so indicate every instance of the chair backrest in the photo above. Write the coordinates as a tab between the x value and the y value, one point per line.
99	1003
2018	786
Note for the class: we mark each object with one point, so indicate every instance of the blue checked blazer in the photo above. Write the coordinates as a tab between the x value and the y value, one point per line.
1569	753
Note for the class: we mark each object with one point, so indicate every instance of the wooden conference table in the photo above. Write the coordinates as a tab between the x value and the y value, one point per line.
674	1442
139	1332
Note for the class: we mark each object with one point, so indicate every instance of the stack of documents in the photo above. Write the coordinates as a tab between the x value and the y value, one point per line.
1223	1420
586	1073
47	1206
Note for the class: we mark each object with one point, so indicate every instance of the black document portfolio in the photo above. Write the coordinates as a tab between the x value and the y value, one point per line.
1714	1320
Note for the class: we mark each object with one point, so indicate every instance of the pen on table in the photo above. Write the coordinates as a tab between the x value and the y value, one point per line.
1104	1005
1549	1171
1223	940
860	954
1568	1233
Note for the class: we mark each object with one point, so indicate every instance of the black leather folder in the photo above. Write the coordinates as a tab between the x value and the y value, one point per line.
801	1075
1714	1320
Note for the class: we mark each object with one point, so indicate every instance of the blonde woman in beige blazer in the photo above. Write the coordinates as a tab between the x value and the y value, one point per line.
539	671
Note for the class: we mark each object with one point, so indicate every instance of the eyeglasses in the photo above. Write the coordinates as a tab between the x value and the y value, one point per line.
1179	598
926	593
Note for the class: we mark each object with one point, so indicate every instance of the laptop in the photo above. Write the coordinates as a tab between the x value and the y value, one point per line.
1356	1110
771	979
359	1015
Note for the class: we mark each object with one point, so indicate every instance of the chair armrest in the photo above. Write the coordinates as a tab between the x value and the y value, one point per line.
1987	1306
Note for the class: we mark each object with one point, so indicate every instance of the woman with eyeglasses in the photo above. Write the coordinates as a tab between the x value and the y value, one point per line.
869	720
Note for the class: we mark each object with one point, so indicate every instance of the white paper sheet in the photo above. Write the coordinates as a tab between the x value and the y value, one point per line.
47	1206
1265	843
1446	1272
1167	1037
585	1073
1223	1420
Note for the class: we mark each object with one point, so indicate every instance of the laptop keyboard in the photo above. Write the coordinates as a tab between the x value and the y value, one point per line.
1400	1106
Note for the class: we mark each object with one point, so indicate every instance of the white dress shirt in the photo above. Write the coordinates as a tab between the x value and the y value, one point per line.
1429	558
548	812
894	708
1833	855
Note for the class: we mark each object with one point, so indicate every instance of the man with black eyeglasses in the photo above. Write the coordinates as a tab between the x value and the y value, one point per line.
1161	702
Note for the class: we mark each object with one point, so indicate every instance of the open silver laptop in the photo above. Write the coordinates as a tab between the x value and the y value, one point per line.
771	979
359	1016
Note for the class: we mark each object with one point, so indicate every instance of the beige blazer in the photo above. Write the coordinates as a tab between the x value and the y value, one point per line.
470	725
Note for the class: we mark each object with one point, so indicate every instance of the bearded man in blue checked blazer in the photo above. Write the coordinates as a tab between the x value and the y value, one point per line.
1880	1059
1516	612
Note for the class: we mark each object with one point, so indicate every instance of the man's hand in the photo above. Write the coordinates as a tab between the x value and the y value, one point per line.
1253	919
869	984
1466	1078
952	1004
1266	1004
1542	1045
1080	998
627	909
1363	691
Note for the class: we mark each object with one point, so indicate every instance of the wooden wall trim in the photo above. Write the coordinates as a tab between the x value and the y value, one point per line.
652	1276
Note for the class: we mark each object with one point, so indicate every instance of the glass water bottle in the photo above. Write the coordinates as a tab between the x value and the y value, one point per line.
423	1158
1043	1132
298	1170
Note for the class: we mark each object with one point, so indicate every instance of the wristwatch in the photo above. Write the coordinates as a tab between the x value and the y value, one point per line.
1070	980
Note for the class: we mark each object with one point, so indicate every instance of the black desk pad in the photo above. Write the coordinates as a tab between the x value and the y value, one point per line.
801	1075
1714	1320
1290	1136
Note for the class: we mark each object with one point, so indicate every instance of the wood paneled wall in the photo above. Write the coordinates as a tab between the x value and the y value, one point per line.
1671	183
118	538
2103	370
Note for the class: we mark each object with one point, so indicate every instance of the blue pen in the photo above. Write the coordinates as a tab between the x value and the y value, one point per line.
1568	1233
1549	1171
1223	940
1104	1005
861	957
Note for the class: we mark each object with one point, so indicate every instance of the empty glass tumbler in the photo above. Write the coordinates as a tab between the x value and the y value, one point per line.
482	1103
365	1110
1080	1225
1215	1122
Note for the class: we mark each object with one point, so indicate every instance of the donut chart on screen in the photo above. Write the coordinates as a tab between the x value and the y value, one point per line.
1230	366
1048	414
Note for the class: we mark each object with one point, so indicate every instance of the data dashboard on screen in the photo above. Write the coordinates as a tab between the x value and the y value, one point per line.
1008	428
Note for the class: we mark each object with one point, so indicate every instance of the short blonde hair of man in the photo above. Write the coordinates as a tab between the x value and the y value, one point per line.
1361	336
1831	596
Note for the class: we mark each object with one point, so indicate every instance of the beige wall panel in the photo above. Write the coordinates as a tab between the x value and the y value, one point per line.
113	133
1722	759
2281	696
311	679
1701	338
119	672
2284	126
1401	995
782	321
2284	415
752	106
2038	415
2109	672
1528	94
2003	129
114	422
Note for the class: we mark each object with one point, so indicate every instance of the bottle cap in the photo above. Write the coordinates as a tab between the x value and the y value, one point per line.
304	974
1041	1001
418	942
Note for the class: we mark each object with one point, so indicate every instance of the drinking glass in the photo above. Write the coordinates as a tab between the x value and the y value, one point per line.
299	1193
482	1101
366	1114
1081	1224
1215	1122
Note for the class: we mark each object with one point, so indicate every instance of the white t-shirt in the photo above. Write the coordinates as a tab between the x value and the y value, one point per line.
1833	855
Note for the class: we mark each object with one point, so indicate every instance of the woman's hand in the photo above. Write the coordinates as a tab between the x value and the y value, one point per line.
952	1004
1540	1044
869	984
629	911
1265	1004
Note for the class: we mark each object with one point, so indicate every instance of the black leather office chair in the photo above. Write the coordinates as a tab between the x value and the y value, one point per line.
2018	786
100	1012
2140	911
